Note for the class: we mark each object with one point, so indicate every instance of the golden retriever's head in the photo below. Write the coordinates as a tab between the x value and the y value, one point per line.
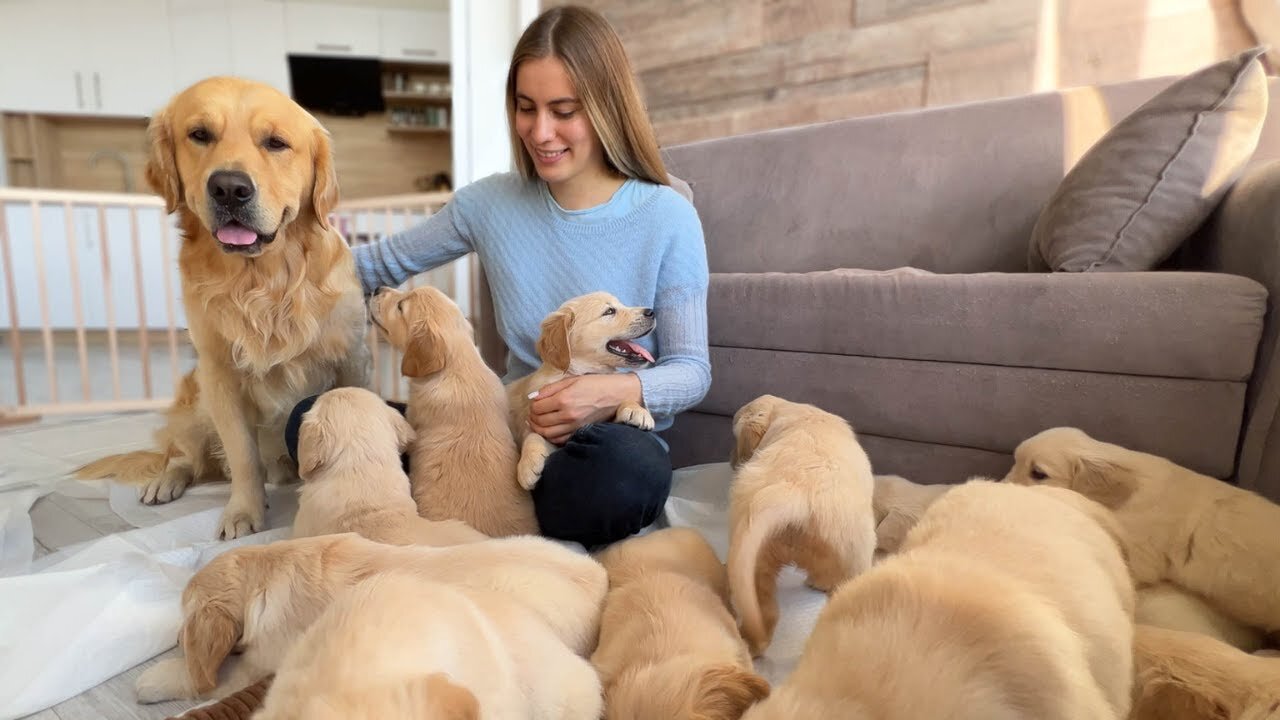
423	324
750	424
242	159
1068	458
681	689
351	425
595	333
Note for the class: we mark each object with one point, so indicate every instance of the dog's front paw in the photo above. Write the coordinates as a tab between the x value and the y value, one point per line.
166	680
529	470
166	488
242	518
634	415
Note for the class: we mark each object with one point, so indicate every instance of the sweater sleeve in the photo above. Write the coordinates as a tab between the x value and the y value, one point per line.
396	258
682	375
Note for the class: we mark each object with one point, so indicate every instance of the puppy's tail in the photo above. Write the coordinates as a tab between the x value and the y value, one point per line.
134	468
772	510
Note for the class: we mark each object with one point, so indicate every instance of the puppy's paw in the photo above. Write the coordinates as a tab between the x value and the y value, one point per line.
529	470
634	415
242	518
170	486
166	680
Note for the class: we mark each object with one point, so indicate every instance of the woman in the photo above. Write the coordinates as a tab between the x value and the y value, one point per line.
590	208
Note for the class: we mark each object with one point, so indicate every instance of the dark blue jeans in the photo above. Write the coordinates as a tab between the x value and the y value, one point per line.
606	483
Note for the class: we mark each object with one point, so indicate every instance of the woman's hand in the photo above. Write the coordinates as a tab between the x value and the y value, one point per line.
563	406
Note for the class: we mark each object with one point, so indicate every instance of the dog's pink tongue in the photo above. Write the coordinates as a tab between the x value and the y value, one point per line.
237	235
636	348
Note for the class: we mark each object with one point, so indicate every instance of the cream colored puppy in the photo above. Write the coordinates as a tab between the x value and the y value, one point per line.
801	494
260	599
1166	605
400	645
589	334
1197	532
1004	602
899	504
1187	676
463	463
668	646
349	449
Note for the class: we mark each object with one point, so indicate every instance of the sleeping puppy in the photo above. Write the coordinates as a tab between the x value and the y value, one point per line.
400	645
899	504
349	449
1187	676
801	494
1168	606
1202	534
668	646
463	462
261	599
590	334
1005	602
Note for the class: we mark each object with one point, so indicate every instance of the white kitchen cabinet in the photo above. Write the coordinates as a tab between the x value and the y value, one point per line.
228	37
414	35
323	29
40	58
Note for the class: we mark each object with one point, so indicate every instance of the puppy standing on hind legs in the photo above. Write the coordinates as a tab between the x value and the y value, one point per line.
802	494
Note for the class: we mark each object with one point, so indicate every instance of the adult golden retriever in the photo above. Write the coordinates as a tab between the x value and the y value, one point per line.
272	299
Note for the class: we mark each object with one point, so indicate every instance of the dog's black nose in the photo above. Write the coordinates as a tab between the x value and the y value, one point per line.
648	312
231	188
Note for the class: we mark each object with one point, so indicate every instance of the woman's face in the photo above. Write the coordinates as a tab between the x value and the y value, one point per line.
553	124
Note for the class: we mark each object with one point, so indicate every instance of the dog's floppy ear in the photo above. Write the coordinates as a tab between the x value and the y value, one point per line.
208	636
553	343
316	445
724	692
324	190
1103	480
436	697
404	431
747	436
162	164
424	355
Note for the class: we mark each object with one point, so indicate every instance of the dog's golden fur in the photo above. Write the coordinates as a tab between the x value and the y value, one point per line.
1188	676
801	494
1004	602
575	340
349	449
273	321
463	462
260	599
1202	534
1165	605
669	648
899	504
400	645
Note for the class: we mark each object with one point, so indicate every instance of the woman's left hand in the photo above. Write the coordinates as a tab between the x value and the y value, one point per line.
566	405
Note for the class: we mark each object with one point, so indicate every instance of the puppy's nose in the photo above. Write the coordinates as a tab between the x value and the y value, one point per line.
231	188
647	312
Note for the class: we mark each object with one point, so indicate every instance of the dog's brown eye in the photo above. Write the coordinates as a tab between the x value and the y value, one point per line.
1037	474
276	143
610	311
200	135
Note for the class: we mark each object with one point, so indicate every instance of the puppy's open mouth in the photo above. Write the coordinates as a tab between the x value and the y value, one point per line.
235	237
630	351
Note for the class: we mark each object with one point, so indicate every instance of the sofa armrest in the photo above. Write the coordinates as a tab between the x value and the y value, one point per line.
1243	238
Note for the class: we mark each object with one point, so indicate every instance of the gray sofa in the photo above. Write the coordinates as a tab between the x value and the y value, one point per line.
945	367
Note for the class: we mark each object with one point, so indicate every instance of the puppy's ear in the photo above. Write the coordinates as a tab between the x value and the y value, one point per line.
1103	480
435	697
324	190
749	433
424	355
162	164
208	636
404	431
317	446
553	343
724	692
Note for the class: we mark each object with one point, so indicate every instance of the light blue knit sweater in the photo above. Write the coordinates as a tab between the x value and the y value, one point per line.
645	246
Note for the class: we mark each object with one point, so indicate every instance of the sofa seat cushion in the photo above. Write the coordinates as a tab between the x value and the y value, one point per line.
1202	326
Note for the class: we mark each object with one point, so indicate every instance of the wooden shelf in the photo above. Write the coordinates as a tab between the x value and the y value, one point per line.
413	97
418	130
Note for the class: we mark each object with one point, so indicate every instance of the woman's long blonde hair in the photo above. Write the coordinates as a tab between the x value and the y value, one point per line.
598	67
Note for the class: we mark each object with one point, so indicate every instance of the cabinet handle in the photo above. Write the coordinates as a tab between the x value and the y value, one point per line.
97	90
333	47
79	91
419	52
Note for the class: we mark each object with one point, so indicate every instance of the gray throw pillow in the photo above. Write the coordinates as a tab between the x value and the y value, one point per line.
1151	180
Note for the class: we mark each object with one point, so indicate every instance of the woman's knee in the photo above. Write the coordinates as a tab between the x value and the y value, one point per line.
607	483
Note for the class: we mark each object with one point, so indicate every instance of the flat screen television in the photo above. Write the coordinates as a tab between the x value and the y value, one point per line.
337	85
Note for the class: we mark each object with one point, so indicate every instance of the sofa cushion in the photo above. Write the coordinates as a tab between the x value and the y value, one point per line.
1151	180
1179	325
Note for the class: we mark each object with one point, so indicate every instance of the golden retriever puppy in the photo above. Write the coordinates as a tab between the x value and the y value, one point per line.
400	645
1187	676
463	463
349	449
274	307
899	504
589	334
668	646
801	494
1168	606
260	599
1202	534
1005	602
